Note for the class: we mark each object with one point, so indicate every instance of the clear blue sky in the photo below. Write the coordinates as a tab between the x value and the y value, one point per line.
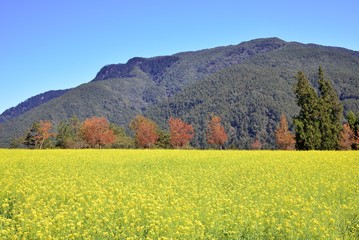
48	44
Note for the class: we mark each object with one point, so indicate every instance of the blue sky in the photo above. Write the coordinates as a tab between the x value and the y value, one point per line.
48	44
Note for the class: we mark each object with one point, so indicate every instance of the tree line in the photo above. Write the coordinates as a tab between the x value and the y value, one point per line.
318	126
98	132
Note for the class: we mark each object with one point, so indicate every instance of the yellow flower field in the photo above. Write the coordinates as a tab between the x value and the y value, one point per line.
172	194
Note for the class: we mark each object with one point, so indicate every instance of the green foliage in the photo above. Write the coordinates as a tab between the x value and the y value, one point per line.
307	123
31	140
233	94
163	140
30	104
18	142
122	139
30	137
331	113
68	134
248	85
319	122
353	121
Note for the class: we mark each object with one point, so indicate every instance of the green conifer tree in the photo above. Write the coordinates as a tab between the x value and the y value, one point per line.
331	113
307	123
319	122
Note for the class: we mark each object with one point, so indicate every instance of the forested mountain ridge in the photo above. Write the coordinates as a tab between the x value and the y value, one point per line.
31	103
249	85
174	72
187	67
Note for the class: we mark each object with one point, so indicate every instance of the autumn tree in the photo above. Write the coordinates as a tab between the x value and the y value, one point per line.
44	132
256	144
38	134
216	135
284	138
180	132
347	138
145	131
96	132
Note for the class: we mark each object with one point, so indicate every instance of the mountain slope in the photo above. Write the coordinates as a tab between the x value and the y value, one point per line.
176	71
171	73
30	104
155	79
249	85
250	97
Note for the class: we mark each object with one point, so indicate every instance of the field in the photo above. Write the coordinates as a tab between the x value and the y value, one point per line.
163	194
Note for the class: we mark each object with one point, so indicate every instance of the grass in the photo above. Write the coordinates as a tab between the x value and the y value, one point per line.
159	194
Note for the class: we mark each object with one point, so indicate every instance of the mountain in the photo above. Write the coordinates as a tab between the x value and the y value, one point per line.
249	85
31	103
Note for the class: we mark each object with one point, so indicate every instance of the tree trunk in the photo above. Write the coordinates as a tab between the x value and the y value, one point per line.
42	143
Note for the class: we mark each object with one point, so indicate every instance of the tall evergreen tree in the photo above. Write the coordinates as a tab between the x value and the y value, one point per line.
307	124
319	122
331	113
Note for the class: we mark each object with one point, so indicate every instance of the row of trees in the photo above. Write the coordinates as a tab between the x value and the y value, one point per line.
347	139
98	132
318	126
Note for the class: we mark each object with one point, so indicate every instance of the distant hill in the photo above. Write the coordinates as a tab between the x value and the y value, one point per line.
249	85
30	104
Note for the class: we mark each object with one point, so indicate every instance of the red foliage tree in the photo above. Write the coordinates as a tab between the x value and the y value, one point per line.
216	135
43	132
96	132
145	131
180	132
283	137
347	138
256	144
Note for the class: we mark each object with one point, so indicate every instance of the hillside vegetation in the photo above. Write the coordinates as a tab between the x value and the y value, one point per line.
251	97
30	104
248	85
